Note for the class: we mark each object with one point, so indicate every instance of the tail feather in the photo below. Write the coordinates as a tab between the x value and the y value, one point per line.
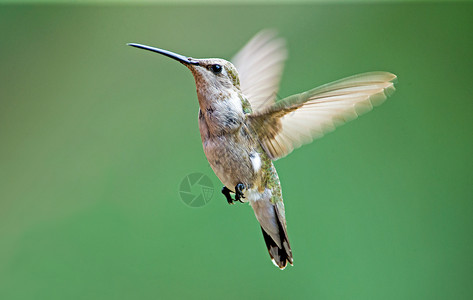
271	217
279	255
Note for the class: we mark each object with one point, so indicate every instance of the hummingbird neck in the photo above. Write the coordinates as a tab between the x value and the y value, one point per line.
221	110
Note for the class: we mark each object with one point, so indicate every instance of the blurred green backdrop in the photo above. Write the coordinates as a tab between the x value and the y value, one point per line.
97	136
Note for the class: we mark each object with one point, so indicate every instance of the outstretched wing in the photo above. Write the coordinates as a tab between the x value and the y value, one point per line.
260	64
298	119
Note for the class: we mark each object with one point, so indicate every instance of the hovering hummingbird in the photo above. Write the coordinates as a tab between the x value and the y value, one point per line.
244	128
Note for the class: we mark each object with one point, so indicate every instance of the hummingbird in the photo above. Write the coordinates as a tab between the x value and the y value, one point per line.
244	127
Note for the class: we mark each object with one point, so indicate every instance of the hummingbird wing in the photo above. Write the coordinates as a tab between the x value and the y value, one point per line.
298	119
260	64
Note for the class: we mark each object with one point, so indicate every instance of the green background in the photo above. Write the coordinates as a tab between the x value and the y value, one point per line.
97	136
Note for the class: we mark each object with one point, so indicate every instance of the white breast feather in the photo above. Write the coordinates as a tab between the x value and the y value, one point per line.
253	195
255	161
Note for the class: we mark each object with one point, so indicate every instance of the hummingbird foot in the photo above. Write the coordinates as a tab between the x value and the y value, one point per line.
226	193
239	192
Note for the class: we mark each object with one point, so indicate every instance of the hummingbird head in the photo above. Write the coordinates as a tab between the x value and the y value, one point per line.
216	73
218	89
209	73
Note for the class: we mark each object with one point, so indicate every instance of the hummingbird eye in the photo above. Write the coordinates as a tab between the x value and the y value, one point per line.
216	68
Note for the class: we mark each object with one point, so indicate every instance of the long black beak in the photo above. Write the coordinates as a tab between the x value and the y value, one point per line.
180	58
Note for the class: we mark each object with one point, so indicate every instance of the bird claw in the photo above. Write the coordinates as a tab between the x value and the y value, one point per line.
226	193
239	192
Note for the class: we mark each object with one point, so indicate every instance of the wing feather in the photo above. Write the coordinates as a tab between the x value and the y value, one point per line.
260	64
298	119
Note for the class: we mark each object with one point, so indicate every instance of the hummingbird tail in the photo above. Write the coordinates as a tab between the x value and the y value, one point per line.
280	255
273	224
